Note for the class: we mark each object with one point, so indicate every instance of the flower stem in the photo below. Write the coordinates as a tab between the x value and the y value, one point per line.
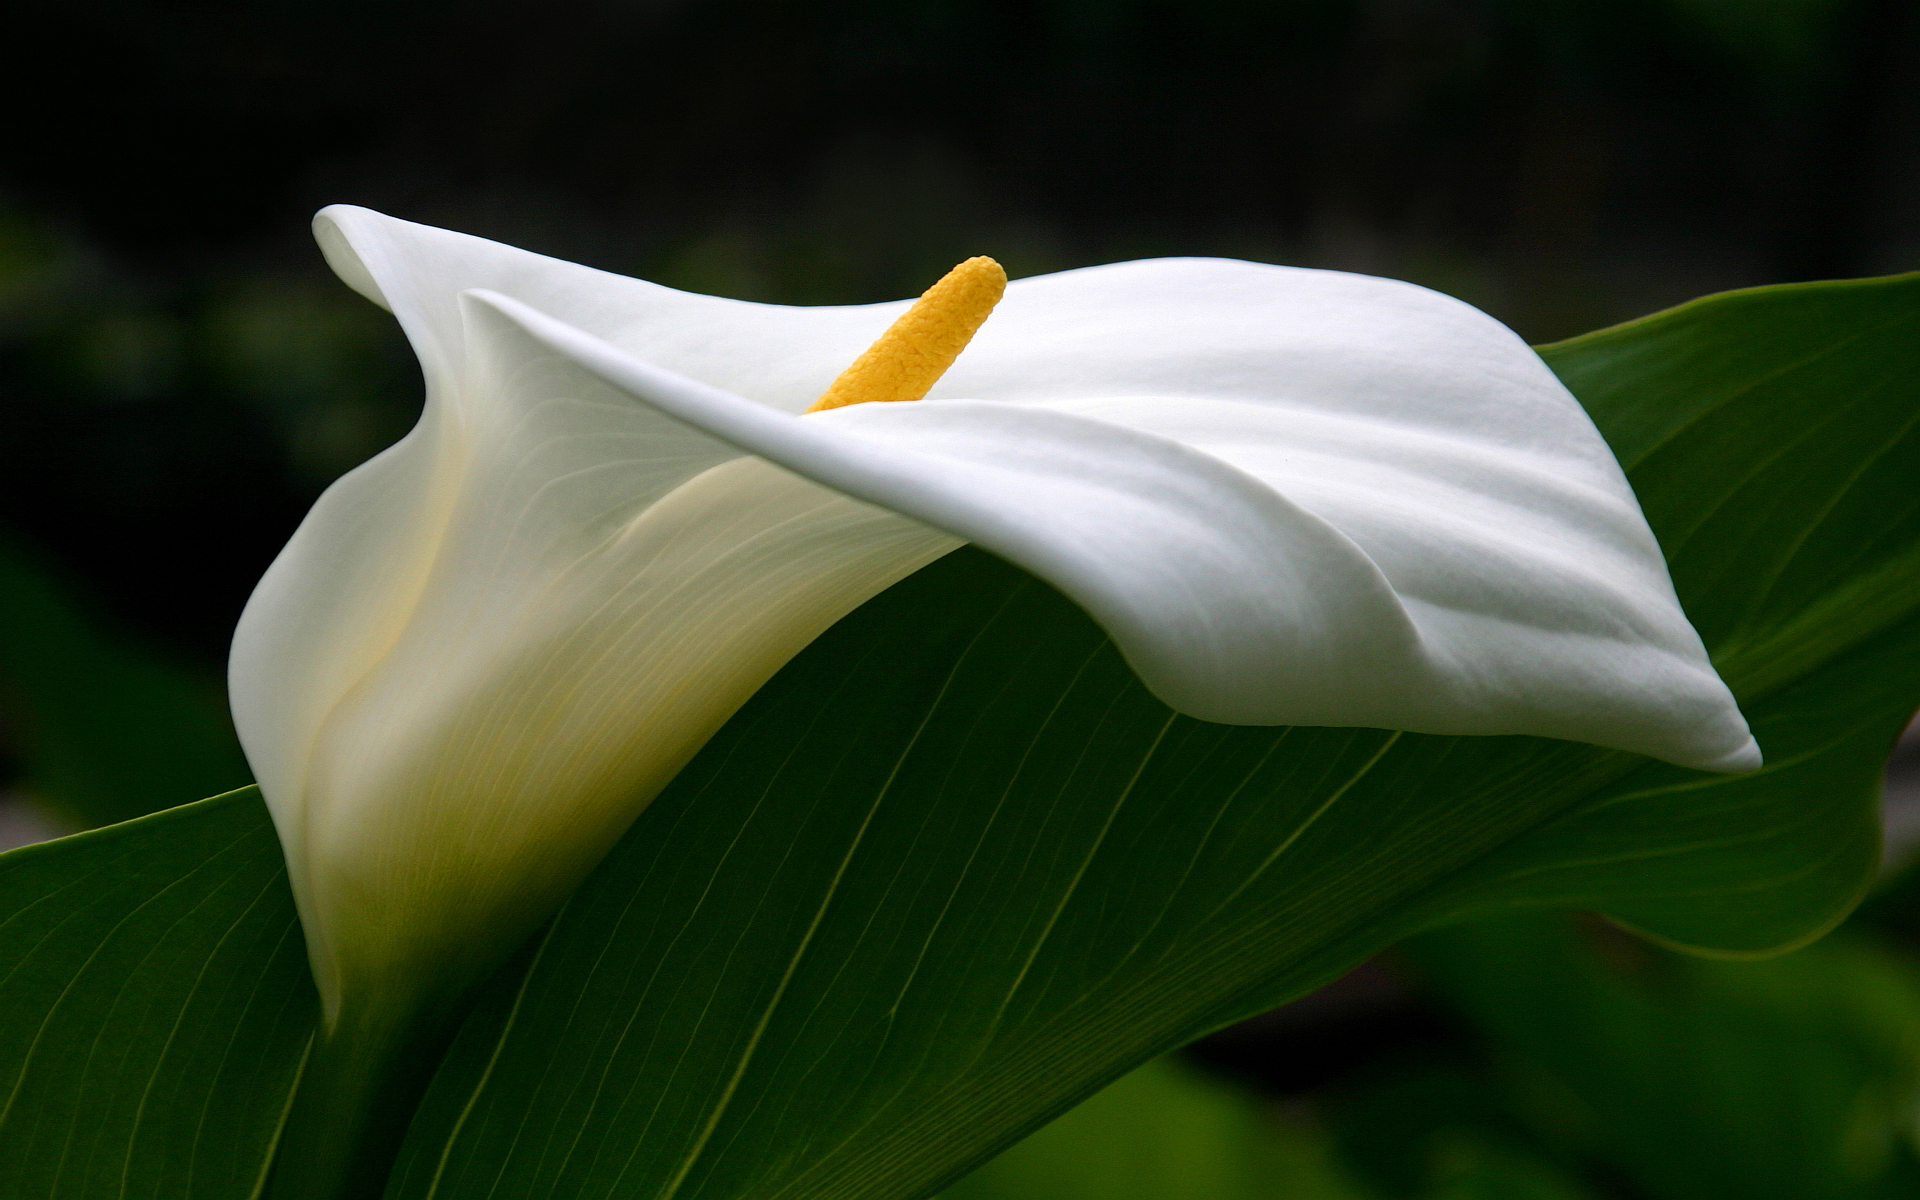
356	1099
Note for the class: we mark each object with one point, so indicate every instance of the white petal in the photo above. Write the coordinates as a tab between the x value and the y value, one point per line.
1480	571
781	356
456	724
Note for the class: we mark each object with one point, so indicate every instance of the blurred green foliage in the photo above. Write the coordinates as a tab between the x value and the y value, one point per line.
102	727
1167	1132
133	412
1585	1065
1795	1077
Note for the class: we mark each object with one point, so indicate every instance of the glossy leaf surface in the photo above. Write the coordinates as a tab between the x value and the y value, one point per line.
155	1008
953	869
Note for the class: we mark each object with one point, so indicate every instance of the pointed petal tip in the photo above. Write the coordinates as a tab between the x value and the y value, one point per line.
1734	762
331	227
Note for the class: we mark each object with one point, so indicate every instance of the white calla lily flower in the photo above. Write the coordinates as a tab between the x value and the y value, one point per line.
1290	496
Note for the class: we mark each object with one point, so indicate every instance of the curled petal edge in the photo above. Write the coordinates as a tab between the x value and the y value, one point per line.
1240	596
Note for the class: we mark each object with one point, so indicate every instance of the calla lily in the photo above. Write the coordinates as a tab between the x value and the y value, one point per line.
1290	496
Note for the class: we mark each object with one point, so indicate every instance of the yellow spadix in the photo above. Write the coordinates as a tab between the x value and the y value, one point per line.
909	358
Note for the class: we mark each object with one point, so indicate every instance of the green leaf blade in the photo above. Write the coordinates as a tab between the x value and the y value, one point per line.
1772	436
154	1007
954	869
1068	878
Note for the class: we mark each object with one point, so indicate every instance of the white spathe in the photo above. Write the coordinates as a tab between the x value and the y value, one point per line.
1291	497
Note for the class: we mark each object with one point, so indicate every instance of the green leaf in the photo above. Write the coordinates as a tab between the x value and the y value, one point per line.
954	869
105	729
1770	435
1773	436
155	1008
1165	1132
1794	1078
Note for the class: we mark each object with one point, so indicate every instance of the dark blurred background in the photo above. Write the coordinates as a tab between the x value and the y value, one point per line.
180	375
